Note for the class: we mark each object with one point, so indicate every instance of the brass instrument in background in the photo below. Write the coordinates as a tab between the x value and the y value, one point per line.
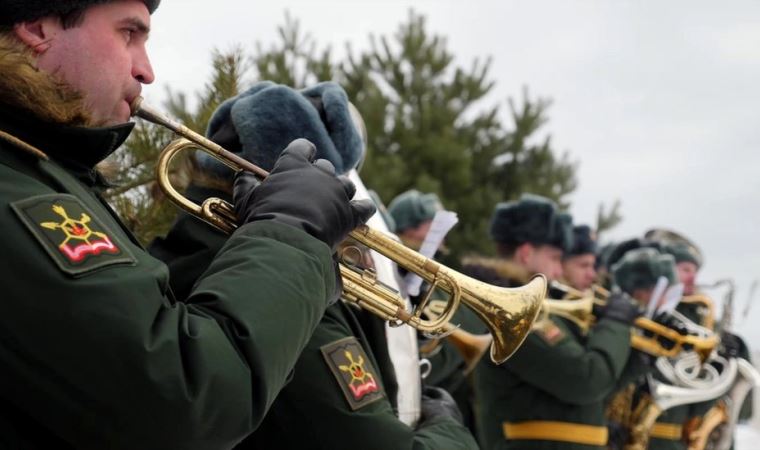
508	313
578	307
664	396
470	346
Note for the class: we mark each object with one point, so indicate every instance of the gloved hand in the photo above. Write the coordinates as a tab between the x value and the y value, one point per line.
730	345
304	194
622	308
438	403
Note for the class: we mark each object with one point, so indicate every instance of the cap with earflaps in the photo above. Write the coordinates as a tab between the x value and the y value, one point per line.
683	253
532	219
584	241
411	208
259	123
17	11
641	268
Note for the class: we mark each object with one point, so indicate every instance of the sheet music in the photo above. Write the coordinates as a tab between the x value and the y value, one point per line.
443	222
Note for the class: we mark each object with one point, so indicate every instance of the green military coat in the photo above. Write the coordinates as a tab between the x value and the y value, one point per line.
95	353
550	394
337	397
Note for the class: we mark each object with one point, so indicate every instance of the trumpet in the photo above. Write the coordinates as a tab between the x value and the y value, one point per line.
508	313
578	308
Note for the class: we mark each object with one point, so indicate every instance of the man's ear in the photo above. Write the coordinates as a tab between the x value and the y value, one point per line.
36	34
523	252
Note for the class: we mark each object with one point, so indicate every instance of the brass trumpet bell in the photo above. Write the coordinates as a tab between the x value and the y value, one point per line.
508	313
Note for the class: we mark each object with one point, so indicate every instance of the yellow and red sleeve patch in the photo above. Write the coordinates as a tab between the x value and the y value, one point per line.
353	371
71	234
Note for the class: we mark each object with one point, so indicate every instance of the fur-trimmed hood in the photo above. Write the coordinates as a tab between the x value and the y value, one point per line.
24	87
495	269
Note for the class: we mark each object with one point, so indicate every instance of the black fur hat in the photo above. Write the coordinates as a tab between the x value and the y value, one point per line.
17	11
584	241
532	219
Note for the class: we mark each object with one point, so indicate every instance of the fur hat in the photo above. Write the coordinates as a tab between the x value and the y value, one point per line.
16	11
532	219
683	253
259	123
412	207
641	268
584	241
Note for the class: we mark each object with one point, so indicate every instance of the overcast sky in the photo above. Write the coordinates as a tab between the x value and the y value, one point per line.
658	101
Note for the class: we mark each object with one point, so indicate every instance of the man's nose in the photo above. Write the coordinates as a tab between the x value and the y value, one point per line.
142	70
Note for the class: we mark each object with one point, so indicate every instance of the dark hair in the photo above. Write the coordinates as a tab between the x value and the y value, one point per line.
506	249
73	18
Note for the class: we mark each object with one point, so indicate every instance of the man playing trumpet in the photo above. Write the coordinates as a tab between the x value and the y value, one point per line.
550	394
96	352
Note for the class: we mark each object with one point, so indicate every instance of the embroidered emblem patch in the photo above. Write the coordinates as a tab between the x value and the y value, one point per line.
550	332
354	372
70	233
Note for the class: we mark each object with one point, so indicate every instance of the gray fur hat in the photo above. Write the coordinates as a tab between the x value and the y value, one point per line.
641	268
17	11
532	219
412	207
259	123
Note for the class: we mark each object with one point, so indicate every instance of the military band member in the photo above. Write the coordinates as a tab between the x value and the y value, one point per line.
343	390
637	273
578	264
96	354
413	213
550	393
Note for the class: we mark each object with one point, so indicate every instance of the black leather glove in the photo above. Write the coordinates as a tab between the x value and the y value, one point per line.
622	308
730	345
304	194
438	403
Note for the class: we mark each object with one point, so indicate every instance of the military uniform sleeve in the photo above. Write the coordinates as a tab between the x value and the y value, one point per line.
106	361
553	360
337	400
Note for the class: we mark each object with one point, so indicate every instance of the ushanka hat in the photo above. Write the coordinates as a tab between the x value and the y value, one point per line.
17	11
584	241
259	124
532	219
412	207
683	253
641	268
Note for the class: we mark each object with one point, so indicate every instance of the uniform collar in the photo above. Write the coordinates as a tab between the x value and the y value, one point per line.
77	148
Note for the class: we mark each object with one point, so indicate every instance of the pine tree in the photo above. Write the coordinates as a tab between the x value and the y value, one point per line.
429	129
428	125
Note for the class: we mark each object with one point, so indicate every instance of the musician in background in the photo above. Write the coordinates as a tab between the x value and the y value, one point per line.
413	213
549	394
96	354
343	390
578	264
636	273
700	309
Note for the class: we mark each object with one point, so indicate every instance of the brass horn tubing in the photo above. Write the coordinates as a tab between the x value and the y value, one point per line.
144	111
509	319
703	346
225	223
424	267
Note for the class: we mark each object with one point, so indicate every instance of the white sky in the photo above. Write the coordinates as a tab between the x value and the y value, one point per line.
658	101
